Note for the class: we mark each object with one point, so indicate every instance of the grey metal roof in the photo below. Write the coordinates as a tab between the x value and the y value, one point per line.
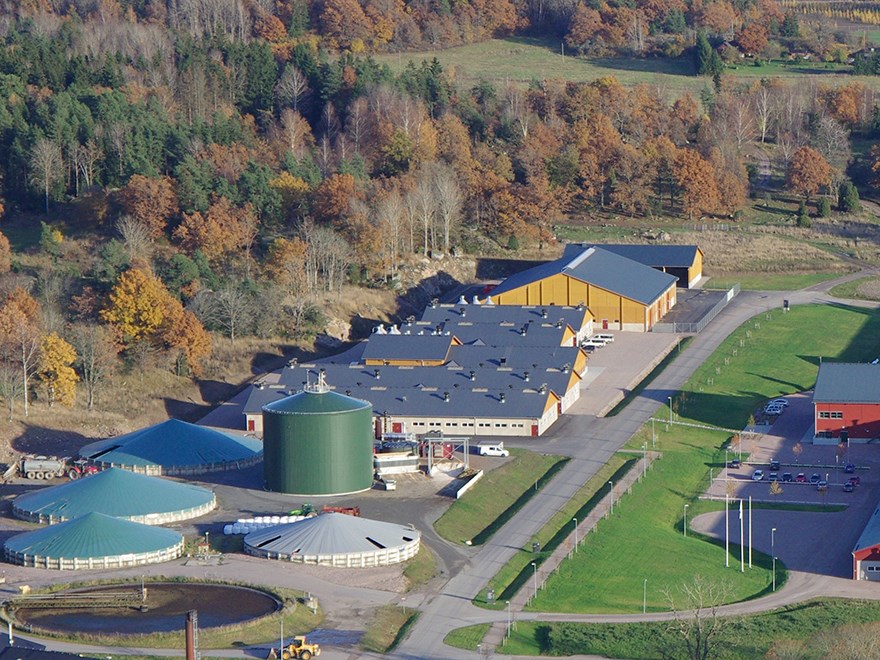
331	534
173	443
114	492
451	314
470	356
93	535
407	347
600	268
656	256
846	382
492	334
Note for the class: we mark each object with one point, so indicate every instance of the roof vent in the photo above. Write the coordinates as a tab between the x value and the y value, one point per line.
462	300
462	312
380	330
503	361
293	362
261	385
526	376
489	300
501	397
523	330
446	397
347	392
473	375
543	313
580	307
377	373
475	300
558	324
394	330
566	367
543	388
434	302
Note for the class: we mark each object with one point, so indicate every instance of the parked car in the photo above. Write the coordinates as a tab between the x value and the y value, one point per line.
773	476
850	468
822	486
757	475
801	478
855	481
778	402
787	478
492	449
735	464
774	465
815	478
773	410
848	487
607	338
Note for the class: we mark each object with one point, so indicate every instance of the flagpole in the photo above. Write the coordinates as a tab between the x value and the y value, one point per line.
726	531
742	544
750	531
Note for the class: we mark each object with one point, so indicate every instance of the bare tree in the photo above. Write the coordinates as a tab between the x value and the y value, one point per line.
517	110
297	132
832	141
389	215
426	204
53	288
291	87
449	199
697	621
136	238
231	308
46	167
10	386
764	110
87	157
21	346
97	357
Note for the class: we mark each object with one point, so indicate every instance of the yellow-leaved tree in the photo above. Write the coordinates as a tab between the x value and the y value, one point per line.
137	305
56	372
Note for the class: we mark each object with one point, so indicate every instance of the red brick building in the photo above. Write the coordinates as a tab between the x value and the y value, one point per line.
847	398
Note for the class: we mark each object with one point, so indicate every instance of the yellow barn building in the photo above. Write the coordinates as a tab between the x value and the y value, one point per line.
622	294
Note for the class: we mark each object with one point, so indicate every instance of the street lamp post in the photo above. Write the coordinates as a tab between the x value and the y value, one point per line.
653	435
645	596
773	553
535	566
670	409
575	521
611	507
508	618
686	519
644	459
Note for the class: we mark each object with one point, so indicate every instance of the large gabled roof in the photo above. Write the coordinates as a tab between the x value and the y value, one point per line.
494	334
450	315
93	535
656	256
602	269
426	347
331	534
846	382
173	444
114	492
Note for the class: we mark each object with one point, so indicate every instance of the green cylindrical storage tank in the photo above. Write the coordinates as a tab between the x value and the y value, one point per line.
318	442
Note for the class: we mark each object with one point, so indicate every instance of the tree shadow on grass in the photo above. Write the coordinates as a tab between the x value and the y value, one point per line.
676	67
47	441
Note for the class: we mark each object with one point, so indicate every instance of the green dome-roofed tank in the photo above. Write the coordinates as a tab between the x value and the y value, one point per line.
318	442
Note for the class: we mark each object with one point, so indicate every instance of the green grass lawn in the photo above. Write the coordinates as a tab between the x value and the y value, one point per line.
468	637
850	289
493	497
387	627
771	281
797	627
775	353
523	59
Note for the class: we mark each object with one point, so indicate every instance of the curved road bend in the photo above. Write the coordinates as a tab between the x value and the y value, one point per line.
591	441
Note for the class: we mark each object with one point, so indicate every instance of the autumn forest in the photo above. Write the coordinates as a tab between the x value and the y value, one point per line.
177	171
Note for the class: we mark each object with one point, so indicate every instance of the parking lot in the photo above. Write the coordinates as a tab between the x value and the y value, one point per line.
812	541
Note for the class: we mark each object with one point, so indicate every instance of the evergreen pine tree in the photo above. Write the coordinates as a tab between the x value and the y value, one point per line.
703	55
848	198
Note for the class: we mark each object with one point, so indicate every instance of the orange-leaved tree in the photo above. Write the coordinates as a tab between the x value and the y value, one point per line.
220	230
695	177
807	172
184	333
55	371
150	201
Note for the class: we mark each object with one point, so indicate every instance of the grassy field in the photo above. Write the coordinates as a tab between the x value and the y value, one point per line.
770	281
493	496
866	288
775	353
797	628
468	637
523	59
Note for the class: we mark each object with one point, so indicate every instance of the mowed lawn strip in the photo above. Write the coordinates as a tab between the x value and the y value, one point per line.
776	353
870	289
796	628
561	520
770	281
494	494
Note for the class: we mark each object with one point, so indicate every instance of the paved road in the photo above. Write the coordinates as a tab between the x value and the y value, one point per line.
593	441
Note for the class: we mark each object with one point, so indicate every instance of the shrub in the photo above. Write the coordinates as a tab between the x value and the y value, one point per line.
824	207
513	243
848	198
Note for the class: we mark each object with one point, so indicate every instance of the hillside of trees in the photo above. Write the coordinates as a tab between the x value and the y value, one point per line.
183	170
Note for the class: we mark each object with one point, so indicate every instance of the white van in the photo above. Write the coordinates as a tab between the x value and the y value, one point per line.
492	449
607	338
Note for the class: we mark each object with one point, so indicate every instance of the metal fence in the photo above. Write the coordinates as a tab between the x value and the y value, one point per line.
702	323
